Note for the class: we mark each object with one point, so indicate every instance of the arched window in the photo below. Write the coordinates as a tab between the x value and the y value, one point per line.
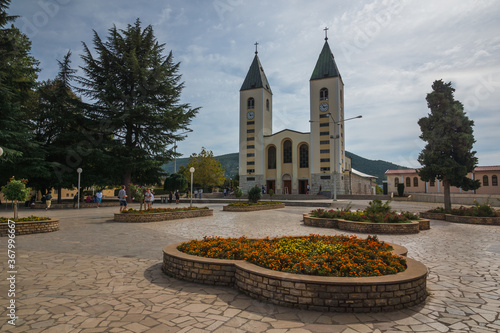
287	151
271	157
323	94
485	180
396	182
408	181
304	156
251	103
494	180
267	104
415	181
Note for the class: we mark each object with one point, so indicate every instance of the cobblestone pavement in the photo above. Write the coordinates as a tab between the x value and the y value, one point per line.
96	275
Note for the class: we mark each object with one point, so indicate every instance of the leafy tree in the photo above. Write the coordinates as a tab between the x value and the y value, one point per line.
208	171
136	92
175	181
16	191
448	154
18	74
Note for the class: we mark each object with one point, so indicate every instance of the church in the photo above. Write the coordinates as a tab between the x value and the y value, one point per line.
292	162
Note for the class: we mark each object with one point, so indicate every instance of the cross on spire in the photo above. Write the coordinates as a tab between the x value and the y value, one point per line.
326	33
256	43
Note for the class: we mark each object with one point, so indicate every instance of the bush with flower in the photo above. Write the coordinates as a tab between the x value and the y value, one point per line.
341	256
30	218
161	210
477	210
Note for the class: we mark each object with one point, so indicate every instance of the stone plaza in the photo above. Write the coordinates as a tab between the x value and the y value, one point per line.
99	275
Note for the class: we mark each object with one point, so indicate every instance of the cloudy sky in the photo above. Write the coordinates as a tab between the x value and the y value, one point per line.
388	52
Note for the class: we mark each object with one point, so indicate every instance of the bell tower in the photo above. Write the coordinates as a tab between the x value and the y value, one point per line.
255	123
327	157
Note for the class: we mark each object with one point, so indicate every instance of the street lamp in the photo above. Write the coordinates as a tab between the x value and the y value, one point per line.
79	171
191	194
336	157
175	147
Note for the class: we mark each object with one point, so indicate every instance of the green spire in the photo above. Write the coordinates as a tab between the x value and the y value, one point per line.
256	78
325	66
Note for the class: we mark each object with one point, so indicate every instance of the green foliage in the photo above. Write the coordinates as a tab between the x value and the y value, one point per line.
208	171
254	194
401	189
238	193
448	154
137	90
175	181
137	193
271	193
376	206
478	210
378	190
16	190
30	218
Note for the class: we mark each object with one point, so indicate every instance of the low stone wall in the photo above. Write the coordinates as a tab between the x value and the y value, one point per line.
30	227
70	205
335	294
252	208
366	227
462	219
155	217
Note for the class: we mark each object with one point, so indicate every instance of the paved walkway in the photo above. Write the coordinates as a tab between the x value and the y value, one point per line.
96	275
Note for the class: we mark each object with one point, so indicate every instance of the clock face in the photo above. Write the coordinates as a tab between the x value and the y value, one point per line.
323	107
250	115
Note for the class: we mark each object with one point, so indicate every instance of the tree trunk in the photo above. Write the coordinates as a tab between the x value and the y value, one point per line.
59	196
15	209
447	197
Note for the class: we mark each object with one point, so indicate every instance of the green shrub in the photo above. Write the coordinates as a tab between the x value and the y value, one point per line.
271	193
376	206
254	194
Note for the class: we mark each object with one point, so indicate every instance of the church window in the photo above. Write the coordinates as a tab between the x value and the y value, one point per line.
415	181
271	158
251	163
251	122
324	115
267	104
250	130
324	124
324	133
323	94
304	156
251	103
408	182
250	146
494	180
485	181
324	151
287	151
396	182
324	160
324	142
324	169
250	155
251	138
250	170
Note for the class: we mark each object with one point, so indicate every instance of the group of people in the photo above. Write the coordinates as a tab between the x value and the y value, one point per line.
149	198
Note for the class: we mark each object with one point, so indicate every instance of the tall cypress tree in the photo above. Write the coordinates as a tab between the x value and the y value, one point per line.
136	93
448	154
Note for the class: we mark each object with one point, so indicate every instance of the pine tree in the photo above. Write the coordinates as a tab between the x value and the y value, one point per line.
448	154
136	93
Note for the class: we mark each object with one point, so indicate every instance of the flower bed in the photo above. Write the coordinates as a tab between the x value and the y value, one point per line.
249	207
323	293
477	214
341	256
411	227
161	214
28	225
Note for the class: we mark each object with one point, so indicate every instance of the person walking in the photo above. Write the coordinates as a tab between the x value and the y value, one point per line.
177	195
122	197
170	197
147	199
200	192
48	200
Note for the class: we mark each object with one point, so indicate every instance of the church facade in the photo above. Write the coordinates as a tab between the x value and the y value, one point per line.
292	162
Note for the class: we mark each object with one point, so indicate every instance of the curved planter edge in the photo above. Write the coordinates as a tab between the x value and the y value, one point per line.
30	227
228	208
157	217
335	294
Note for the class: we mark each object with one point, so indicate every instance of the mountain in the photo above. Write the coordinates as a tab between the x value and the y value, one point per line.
230	163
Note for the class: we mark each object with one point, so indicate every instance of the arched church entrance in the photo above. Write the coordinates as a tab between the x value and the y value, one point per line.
287	184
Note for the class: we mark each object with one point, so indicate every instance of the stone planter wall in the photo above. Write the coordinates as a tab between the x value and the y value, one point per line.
70	205
155	217
366	227
30	227
335	294
462	219
252	208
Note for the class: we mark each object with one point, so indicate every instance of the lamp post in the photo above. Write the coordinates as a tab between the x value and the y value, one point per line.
79	171
336	157
191	194
175	148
